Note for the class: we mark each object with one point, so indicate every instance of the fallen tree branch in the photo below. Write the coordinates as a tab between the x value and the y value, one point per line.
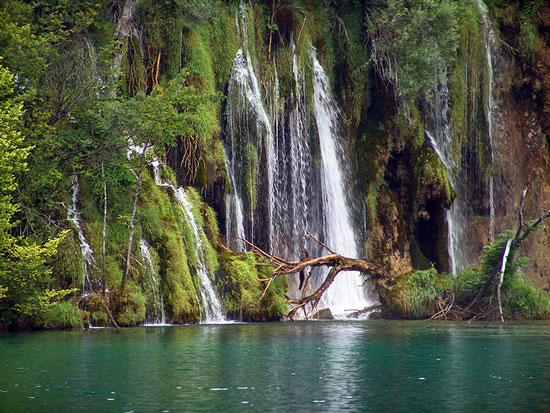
338	263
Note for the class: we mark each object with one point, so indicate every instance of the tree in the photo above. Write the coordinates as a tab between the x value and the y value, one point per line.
337	262
25	282
150	123
409	40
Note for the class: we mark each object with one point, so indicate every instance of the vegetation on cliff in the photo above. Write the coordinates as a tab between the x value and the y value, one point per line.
77	96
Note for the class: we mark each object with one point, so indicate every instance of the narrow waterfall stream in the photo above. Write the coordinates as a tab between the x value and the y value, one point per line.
489	40
346	292
439	132
88	261
211	308
248	128
155	300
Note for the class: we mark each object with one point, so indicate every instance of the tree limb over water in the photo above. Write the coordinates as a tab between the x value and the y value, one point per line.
338	263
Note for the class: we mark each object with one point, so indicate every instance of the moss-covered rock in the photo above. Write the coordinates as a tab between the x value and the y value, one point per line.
242	279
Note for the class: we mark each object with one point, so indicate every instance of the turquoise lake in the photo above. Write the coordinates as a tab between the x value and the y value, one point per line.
302	366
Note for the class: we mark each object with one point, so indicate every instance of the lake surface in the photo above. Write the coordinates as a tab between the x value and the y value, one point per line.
302	366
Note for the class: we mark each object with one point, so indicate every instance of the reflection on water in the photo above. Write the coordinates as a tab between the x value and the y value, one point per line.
304	366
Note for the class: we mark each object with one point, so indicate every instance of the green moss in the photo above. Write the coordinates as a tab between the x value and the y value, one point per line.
164	226
430	172
68	263
524	301
419	261
97	315
240	280
210	224
469	88
133	68
352	64
529	36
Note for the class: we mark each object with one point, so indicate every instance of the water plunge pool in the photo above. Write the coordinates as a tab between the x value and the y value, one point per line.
301	366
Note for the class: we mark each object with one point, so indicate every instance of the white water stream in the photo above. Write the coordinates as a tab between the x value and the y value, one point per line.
295	192
88	261
439	133
155	300
492	107
211	309
346	292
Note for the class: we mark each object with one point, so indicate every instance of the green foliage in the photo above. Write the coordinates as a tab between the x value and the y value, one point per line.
524	301
408	41
12	153
240	280
162	224
352	67
97	315
26	273
64	314
129	308
416	292
25	276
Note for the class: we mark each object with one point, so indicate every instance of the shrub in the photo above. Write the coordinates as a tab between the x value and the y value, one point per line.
64	314
416	292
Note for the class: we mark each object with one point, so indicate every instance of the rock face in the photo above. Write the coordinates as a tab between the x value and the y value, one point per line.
404	189
521	141
408	229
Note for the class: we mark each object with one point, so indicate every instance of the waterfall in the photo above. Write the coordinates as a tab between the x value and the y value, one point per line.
346	292
248	129
489	42
294	174
88	261
439	132
208	300
155	300
272	168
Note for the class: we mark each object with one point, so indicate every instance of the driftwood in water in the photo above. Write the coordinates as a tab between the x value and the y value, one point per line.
337	262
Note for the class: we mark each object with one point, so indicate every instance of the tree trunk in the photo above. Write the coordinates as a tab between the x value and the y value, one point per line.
122	33
336	261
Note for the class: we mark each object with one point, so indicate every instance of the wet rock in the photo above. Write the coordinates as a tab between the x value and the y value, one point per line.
323	314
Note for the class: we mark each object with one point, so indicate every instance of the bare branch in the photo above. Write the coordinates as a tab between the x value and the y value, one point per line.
320	243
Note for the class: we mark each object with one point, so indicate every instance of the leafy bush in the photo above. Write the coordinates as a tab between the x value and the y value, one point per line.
523	301
409	40
129	308
63	315
416	292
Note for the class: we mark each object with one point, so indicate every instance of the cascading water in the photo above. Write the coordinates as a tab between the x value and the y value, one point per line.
490	42
296	209
248	128
272	169
346	292
155	301
438	130
88	261
211	309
